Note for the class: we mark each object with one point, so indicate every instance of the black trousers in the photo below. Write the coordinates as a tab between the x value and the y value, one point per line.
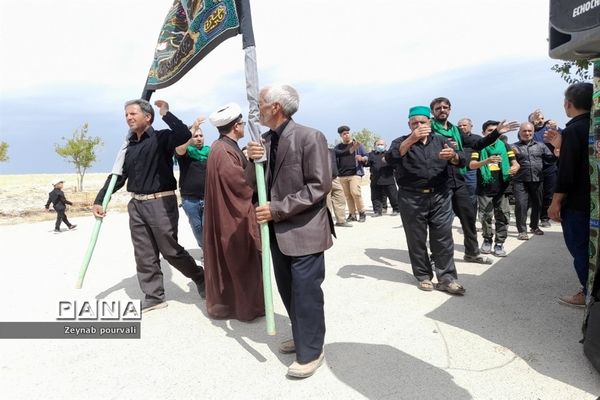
496	206
61	217
153	225
299	283
380	194
429	211
550	177
467	214
524	193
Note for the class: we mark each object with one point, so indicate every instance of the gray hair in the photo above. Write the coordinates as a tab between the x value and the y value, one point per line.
285	95
144	105
526	124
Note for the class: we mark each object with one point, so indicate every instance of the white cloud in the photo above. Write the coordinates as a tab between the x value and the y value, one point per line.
111	43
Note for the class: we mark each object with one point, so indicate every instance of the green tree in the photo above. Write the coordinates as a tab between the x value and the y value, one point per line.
366	137
80	150
574	71
3	151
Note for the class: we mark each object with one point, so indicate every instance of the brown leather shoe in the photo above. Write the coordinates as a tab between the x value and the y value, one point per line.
298	370
287	347
577	300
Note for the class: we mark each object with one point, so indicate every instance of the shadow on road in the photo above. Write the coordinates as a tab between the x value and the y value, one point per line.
379	371
514	304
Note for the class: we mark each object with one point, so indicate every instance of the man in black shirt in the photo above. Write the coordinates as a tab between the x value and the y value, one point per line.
153	211
465	126
550	169
192	157
571	201
351	157
421	161
461	202
58	200
382	180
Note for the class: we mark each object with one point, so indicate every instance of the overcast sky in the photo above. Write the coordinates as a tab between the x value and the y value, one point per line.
66	62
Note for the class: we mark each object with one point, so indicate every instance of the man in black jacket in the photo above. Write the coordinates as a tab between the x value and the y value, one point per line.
58	200
382	180
571	201
527	182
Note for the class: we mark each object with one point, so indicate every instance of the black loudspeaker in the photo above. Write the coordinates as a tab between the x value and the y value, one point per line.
574	29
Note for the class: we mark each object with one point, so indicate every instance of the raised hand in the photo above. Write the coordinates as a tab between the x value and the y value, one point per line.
553	137
163	107
504	126
420	133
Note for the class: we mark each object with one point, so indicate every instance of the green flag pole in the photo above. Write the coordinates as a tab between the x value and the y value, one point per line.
266	251
95	232
251	73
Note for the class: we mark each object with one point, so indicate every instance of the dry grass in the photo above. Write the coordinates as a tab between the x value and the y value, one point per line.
22	197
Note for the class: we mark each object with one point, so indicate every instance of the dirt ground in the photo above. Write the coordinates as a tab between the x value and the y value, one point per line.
22	197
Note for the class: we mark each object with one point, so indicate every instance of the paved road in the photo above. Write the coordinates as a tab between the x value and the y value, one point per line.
507	338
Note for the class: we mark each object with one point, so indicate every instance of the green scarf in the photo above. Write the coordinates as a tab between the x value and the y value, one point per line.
199	154
498	148
451	133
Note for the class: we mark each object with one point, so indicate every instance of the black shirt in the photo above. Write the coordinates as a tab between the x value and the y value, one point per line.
382	173
192	176
273	137
574	166
148	166
469	140
58	200
421	166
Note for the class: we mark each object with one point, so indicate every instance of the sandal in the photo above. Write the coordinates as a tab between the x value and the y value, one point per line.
451	287
478	259
426	285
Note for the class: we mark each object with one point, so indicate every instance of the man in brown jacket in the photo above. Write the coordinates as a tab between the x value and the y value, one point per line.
298	176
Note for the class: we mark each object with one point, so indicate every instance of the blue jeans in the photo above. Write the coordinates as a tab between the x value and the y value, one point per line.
576	230
194	209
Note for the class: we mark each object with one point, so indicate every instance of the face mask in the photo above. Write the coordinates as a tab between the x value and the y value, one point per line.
380	148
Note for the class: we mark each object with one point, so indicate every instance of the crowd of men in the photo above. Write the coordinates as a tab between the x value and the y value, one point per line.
436	172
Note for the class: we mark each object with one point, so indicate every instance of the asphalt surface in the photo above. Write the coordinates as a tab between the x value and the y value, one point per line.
506	338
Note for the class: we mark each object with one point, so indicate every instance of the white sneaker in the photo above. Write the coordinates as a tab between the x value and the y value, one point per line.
298	370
